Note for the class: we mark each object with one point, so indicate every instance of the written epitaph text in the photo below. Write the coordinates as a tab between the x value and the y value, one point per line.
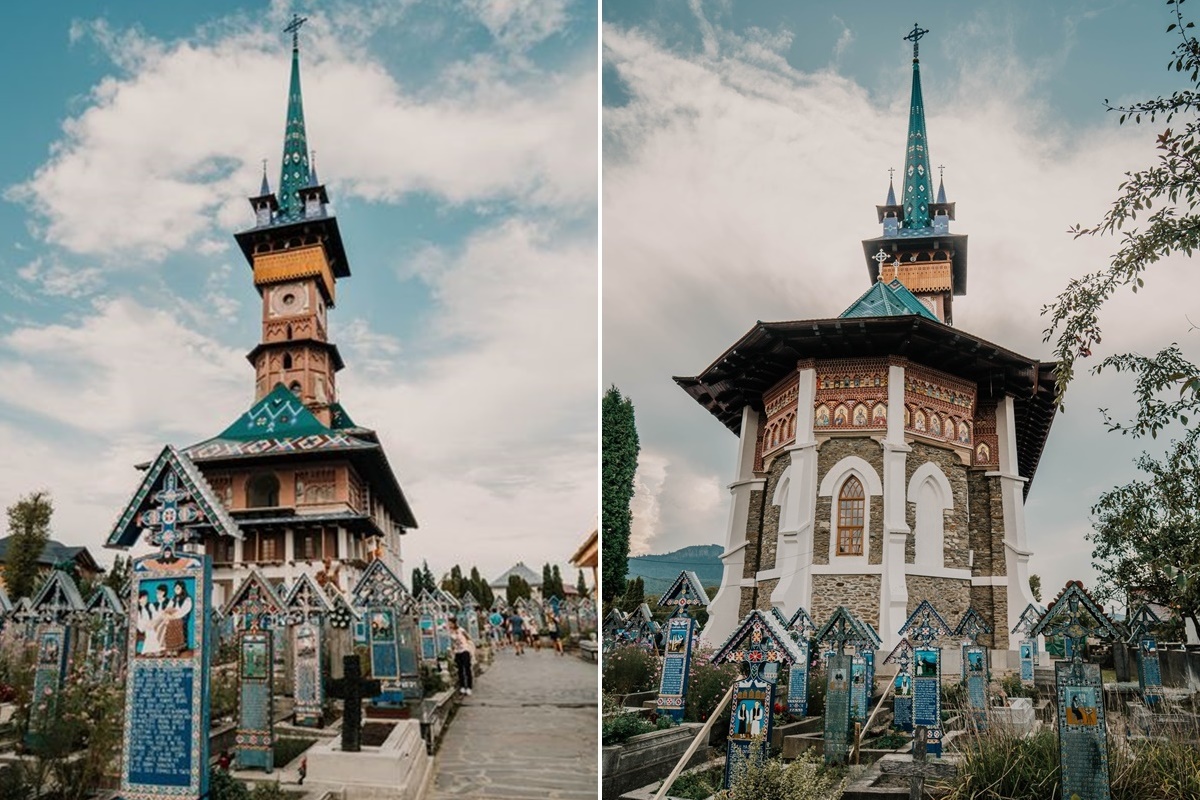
923	628
1149	671
387	606
1083	743
256	608
352	690
685	592
842	629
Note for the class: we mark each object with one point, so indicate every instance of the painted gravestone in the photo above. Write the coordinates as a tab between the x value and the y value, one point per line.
975	667
801	628
685	593
53	607
166	723
923	628
108	619
306	607
255	607
614	624
758	641
841	630
1141	625
427	619
468	616
1027	647
387	607
902	688
344	618
1082	740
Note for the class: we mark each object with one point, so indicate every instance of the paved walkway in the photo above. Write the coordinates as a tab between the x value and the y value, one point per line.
529	731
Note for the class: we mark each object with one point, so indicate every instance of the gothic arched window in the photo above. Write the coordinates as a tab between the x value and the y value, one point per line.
851	504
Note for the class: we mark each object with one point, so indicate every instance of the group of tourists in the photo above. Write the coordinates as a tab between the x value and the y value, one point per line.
513	629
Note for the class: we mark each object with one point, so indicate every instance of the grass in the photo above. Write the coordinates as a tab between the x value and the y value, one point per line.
286	749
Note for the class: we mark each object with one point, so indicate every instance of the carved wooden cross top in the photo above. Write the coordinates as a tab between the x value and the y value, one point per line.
352	690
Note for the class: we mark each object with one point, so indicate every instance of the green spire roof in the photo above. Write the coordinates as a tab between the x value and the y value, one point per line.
888	300
917	179
294	169
279	414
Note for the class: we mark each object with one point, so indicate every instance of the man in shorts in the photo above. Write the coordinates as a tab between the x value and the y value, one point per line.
516	629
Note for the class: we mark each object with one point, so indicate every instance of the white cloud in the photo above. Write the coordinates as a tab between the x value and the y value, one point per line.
57	280
738	189
164	154
520	23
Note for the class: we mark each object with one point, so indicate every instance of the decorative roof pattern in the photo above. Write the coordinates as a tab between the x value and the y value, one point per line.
844	628
104	601
379	586
255	601
1140	621
305	600
760	638
156	505
901	655
924	625
58	597
685	591
972	625
802	623
1075	614
1029	617
278	415
887	300
341	420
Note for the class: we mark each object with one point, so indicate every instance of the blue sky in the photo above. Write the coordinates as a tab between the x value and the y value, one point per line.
756	140
458	142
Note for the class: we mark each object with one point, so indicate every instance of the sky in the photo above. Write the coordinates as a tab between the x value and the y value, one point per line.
745	147
458	142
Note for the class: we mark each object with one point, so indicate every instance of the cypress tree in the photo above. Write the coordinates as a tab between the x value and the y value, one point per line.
619	464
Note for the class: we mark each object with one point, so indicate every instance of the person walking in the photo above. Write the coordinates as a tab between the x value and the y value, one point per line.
556	634
463	649
516	630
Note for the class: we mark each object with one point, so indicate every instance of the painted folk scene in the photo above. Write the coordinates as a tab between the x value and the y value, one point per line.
259	634
875	623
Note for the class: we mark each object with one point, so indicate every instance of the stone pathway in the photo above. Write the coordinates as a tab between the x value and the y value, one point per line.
528	732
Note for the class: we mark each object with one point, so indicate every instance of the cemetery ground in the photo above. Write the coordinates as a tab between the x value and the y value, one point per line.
1153	752
528	731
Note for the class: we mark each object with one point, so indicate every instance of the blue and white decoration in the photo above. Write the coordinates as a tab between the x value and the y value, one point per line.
683	594
923	628
387	605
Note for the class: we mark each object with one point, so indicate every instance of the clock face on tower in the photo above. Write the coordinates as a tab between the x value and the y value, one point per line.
289	299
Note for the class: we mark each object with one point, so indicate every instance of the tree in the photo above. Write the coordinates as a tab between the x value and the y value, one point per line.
1146	537
634	596
619	465
1035	587
480	588
560	591
547	582
581	585
1167	194
29	529
118	577
517	588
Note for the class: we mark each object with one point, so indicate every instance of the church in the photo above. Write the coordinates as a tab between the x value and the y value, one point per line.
884	455
311	490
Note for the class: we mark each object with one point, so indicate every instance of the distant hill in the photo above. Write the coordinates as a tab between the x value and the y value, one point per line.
659	572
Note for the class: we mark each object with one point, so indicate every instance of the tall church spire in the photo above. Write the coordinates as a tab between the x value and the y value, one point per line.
294	169
917	179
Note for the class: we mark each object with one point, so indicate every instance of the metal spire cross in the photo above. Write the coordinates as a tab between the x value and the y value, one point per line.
891	173
914	36
941	171
293	28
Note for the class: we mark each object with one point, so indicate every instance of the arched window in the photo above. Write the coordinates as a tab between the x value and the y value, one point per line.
295	388
289	331
262	491
287	360
851	503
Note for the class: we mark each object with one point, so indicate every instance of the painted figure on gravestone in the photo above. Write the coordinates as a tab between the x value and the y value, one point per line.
387	609
166	721
975	672
1142	636
257	609
1027	648
760	641
53	606
923	628
306	609
684	593
1082	736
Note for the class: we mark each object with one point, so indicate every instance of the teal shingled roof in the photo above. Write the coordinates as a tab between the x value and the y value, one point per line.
341	420
280	414
888	300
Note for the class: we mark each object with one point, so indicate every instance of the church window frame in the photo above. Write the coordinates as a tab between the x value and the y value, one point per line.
930	493
851	519
831	486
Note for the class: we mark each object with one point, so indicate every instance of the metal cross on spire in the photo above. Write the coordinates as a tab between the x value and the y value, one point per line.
293	28
941	171
914	36
891	173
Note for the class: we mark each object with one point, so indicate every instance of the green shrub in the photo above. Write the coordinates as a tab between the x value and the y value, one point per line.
1012	686
806	778
698	785
707	684
223	786
433	680
288	747
630	669
271	791
620	728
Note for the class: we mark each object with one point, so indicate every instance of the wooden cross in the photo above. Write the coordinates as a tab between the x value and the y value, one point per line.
352	690
172	513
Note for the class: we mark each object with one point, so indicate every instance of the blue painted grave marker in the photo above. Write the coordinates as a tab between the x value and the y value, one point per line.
255	608
1149	671
923	628
684	593
306	607
390	637
54	606
842	629
902	685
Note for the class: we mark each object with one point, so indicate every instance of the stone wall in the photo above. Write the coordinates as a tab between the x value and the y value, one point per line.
955	530
753	534
860	593
950	596
829	453
770	514
992	603
986	533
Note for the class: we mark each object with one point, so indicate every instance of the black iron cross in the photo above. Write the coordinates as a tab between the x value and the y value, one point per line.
914	36
918	769
352	690
293	28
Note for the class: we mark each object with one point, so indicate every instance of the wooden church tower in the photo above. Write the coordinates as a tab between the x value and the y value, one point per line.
311	491
884	455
